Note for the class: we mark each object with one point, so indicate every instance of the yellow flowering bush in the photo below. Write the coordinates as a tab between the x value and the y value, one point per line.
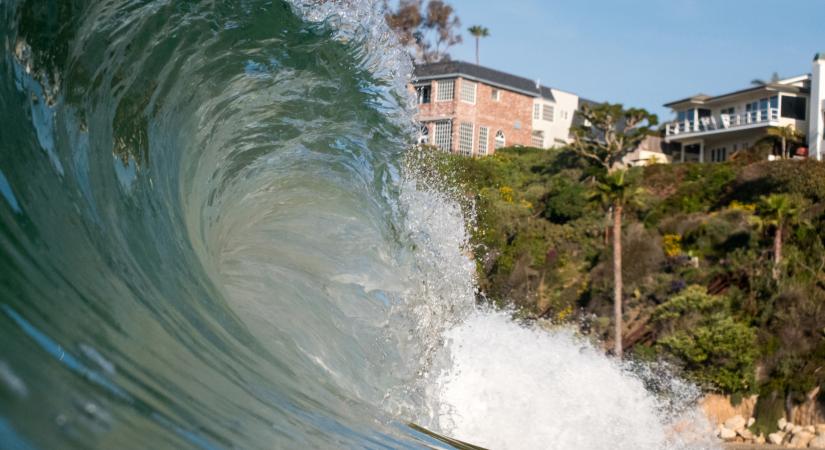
672	245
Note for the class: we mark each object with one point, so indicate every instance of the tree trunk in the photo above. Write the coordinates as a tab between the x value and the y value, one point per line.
784	148
777	251
617	278
477	61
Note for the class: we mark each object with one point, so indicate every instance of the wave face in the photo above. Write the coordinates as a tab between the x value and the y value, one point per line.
208	240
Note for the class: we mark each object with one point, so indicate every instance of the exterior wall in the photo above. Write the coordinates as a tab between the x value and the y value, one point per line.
650	151
511	114
816	110
556	131
731	143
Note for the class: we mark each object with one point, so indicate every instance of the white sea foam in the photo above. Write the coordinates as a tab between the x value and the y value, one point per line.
513	387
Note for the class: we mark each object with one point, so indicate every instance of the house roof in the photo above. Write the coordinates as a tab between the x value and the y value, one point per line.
450	69
781	86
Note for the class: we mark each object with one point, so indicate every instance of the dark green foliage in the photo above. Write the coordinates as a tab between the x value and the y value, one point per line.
699	330
769	409
566	198
540	245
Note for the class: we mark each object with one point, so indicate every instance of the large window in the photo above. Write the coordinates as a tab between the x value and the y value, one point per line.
537	139
549	112
468	91
424	94
495	95
483	136
443	135
445	91
500	142
793	107
465	139
536	111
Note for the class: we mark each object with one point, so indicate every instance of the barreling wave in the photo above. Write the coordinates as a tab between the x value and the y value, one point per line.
208	239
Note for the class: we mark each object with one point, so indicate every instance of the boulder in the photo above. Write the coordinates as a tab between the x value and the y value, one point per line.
745	433
727	435
809	429
788	427
751	421
776	438
797	429
817	442
801	439
781	423
735	423
820	428
760	440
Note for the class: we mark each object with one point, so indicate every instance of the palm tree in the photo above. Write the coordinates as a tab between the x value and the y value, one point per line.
616	190
478	32
786	134
775	78
779	211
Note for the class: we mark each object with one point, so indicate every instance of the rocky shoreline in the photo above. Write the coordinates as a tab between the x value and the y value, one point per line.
737	430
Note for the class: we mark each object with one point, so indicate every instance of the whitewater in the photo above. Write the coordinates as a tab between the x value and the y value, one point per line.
212	236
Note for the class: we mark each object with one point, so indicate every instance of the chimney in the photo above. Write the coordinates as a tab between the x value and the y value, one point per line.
816	117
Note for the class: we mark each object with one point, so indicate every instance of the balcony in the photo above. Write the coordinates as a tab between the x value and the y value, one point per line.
723	122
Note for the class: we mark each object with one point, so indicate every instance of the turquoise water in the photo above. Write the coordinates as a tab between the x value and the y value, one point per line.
212	236
202	237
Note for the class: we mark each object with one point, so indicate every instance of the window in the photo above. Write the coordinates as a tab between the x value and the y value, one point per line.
445	91
483	133
537	139
468	91
465	139
443	135
718	154
536	111
793	107
549	112
495	95
500	139
424	94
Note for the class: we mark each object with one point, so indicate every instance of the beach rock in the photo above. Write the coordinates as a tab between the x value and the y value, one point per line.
735	423
801	439
727	435
776	438
745	433
817	442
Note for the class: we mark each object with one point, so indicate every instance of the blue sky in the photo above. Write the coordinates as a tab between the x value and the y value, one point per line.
645	53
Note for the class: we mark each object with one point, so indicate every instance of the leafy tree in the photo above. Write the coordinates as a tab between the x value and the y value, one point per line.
478	32
778	211
608	134
430	30
616	190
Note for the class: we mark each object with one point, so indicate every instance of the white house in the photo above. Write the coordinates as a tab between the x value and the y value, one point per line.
553	117
712	128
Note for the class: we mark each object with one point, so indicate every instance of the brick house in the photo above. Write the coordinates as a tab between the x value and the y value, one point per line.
473	110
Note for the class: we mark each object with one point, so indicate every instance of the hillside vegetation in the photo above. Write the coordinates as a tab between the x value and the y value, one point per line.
701	286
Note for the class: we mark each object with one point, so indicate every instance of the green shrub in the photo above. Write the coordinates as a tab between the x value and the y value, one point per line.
715	349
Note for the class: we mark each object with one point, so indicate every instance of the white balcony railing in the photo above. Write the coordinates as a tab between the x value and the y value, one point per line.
722	122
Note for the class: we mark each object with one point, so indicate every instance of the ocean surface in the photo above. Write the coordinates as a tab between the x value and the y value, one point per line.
211	238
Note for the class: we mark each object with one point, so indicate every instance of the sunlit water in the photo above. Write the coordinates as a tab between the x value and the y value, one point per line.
208	239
